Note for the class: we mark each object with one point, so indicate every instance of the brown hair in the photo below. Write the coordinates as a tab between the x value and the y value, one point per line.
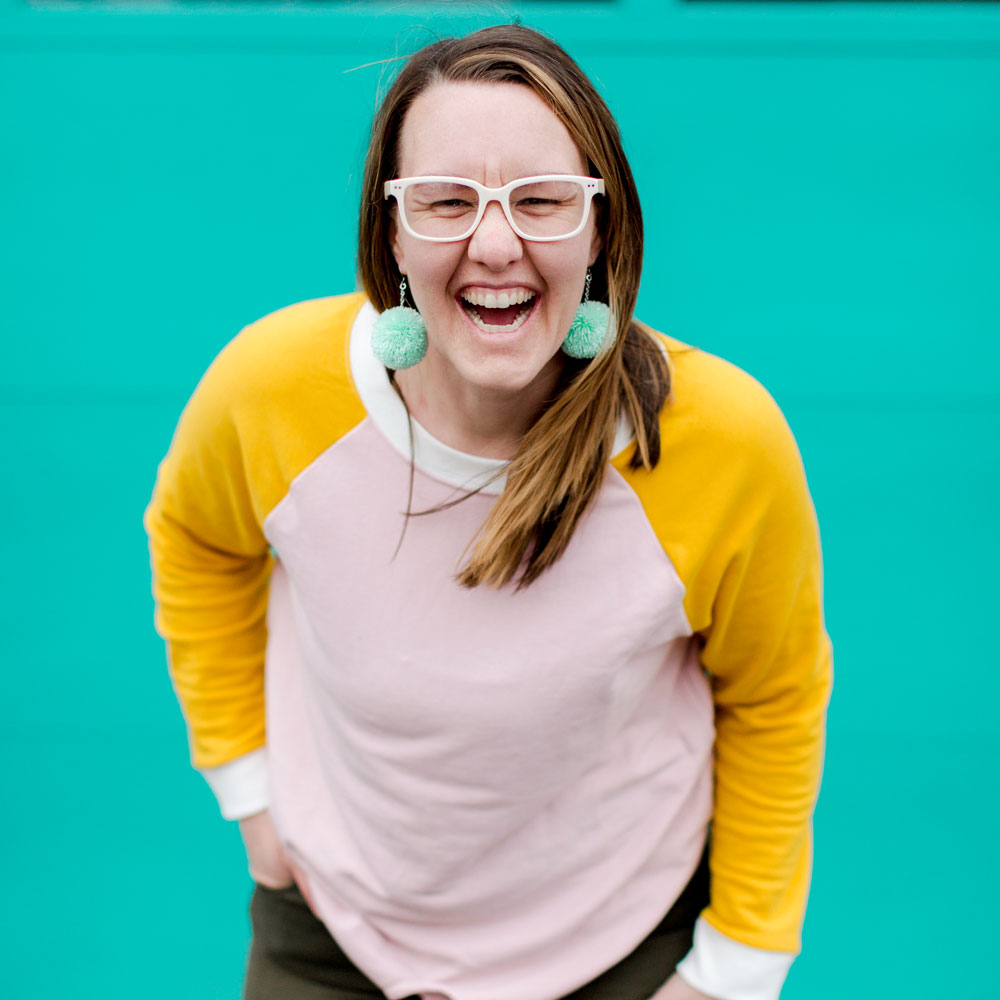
560	464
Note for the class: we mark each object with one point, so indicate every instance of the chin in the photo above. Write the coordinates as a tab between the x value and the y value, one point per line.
507	372
501	378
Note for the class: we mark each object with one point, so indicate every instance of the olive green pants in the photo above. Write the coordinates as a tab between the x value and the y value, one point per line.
293	956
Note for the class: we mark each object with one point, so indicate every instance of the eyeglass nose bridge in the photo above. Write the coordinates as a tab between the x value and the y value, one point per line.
502	198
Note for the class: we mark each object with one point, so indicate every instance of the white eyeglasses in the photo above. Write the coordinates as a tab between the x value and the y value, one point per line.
448	209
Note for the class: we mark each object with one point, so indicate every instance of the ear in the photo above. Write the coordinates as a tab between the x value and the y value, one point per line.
596	240
396	245
596	245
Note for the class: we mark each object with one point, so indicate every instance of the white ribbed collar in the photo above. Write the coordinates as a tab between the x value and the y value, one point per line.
386	409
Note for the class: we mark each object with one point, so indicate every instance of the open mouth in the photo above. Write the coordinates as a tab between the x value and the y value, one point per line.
498	312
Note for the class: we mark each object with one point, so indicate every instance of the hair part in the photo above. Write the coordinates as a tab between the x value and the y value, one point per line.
561	462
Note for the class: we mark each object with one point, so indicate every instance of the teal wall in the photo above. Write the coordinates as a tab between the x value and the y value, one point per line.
820	185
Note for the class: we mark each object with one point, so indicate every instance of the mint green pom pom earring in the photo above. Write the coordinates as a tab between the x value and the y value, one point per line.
589	328
399	337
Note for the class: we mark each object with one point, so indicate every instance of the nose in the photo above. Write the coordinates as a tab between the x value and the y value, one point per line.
494	243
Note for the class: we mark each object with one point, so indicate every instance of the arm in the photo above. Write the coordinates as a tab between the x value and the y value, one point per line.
768	658
274	399
678	989
730	506
211	568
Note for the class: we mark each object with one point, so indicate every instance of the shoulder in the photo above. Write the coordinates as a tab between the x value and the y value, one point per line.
307	337
726	451
314	317
729	474
274	399
718	413
283	360
289	369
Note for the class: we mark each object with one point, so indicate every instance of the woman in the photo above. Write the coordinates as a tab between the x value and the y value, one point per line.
517	566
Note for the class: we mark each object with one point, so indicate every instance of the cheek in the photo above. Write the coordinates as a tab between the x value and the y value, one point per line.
565	280
564	267
429	267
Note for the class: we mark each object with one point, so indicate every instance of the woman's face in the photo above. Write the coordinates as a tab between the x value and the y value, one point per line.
493	134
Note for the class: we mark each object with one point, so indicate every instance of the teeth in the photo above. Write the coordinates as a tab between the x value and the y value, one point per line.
497	300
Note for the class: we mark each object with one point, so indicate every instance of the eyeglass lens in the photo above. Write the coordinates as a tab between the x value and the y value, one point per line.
539	208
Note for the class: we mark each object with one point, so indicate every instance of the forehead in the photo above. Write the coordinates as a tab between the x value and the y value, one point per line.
490	132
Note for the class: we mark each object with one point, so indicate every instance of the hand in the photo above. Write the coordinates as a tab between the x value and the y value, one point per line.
269	864
676	988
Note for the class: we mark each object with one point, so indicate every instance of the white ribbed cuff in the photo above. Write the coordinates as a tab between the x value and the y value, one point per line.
728	970
240	785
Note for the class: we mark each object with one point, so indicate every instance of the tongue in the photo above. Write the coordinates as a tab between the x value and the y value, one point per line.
498	317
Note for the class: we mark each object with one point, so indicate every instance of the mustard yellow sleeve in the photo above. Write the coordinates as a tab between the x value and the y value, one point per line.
211	567
768	658
273	400
729	503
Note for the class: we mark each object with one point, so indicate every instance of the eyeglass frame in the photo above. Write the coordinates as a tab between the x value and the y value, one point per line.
396	188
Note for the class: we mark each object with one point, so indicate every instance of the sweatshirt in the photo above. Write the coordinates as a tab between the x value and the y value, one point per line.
496	794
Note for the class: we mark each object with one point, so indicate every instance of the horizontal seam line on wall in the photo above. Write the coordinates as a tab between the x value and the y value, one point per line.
790	49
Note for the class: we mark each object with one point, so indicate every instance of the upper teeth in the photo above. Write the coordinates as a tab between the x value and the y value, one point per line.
497	300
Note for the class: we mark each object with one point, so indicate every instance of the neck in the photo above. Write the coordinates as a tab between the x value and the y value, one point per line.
480	421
